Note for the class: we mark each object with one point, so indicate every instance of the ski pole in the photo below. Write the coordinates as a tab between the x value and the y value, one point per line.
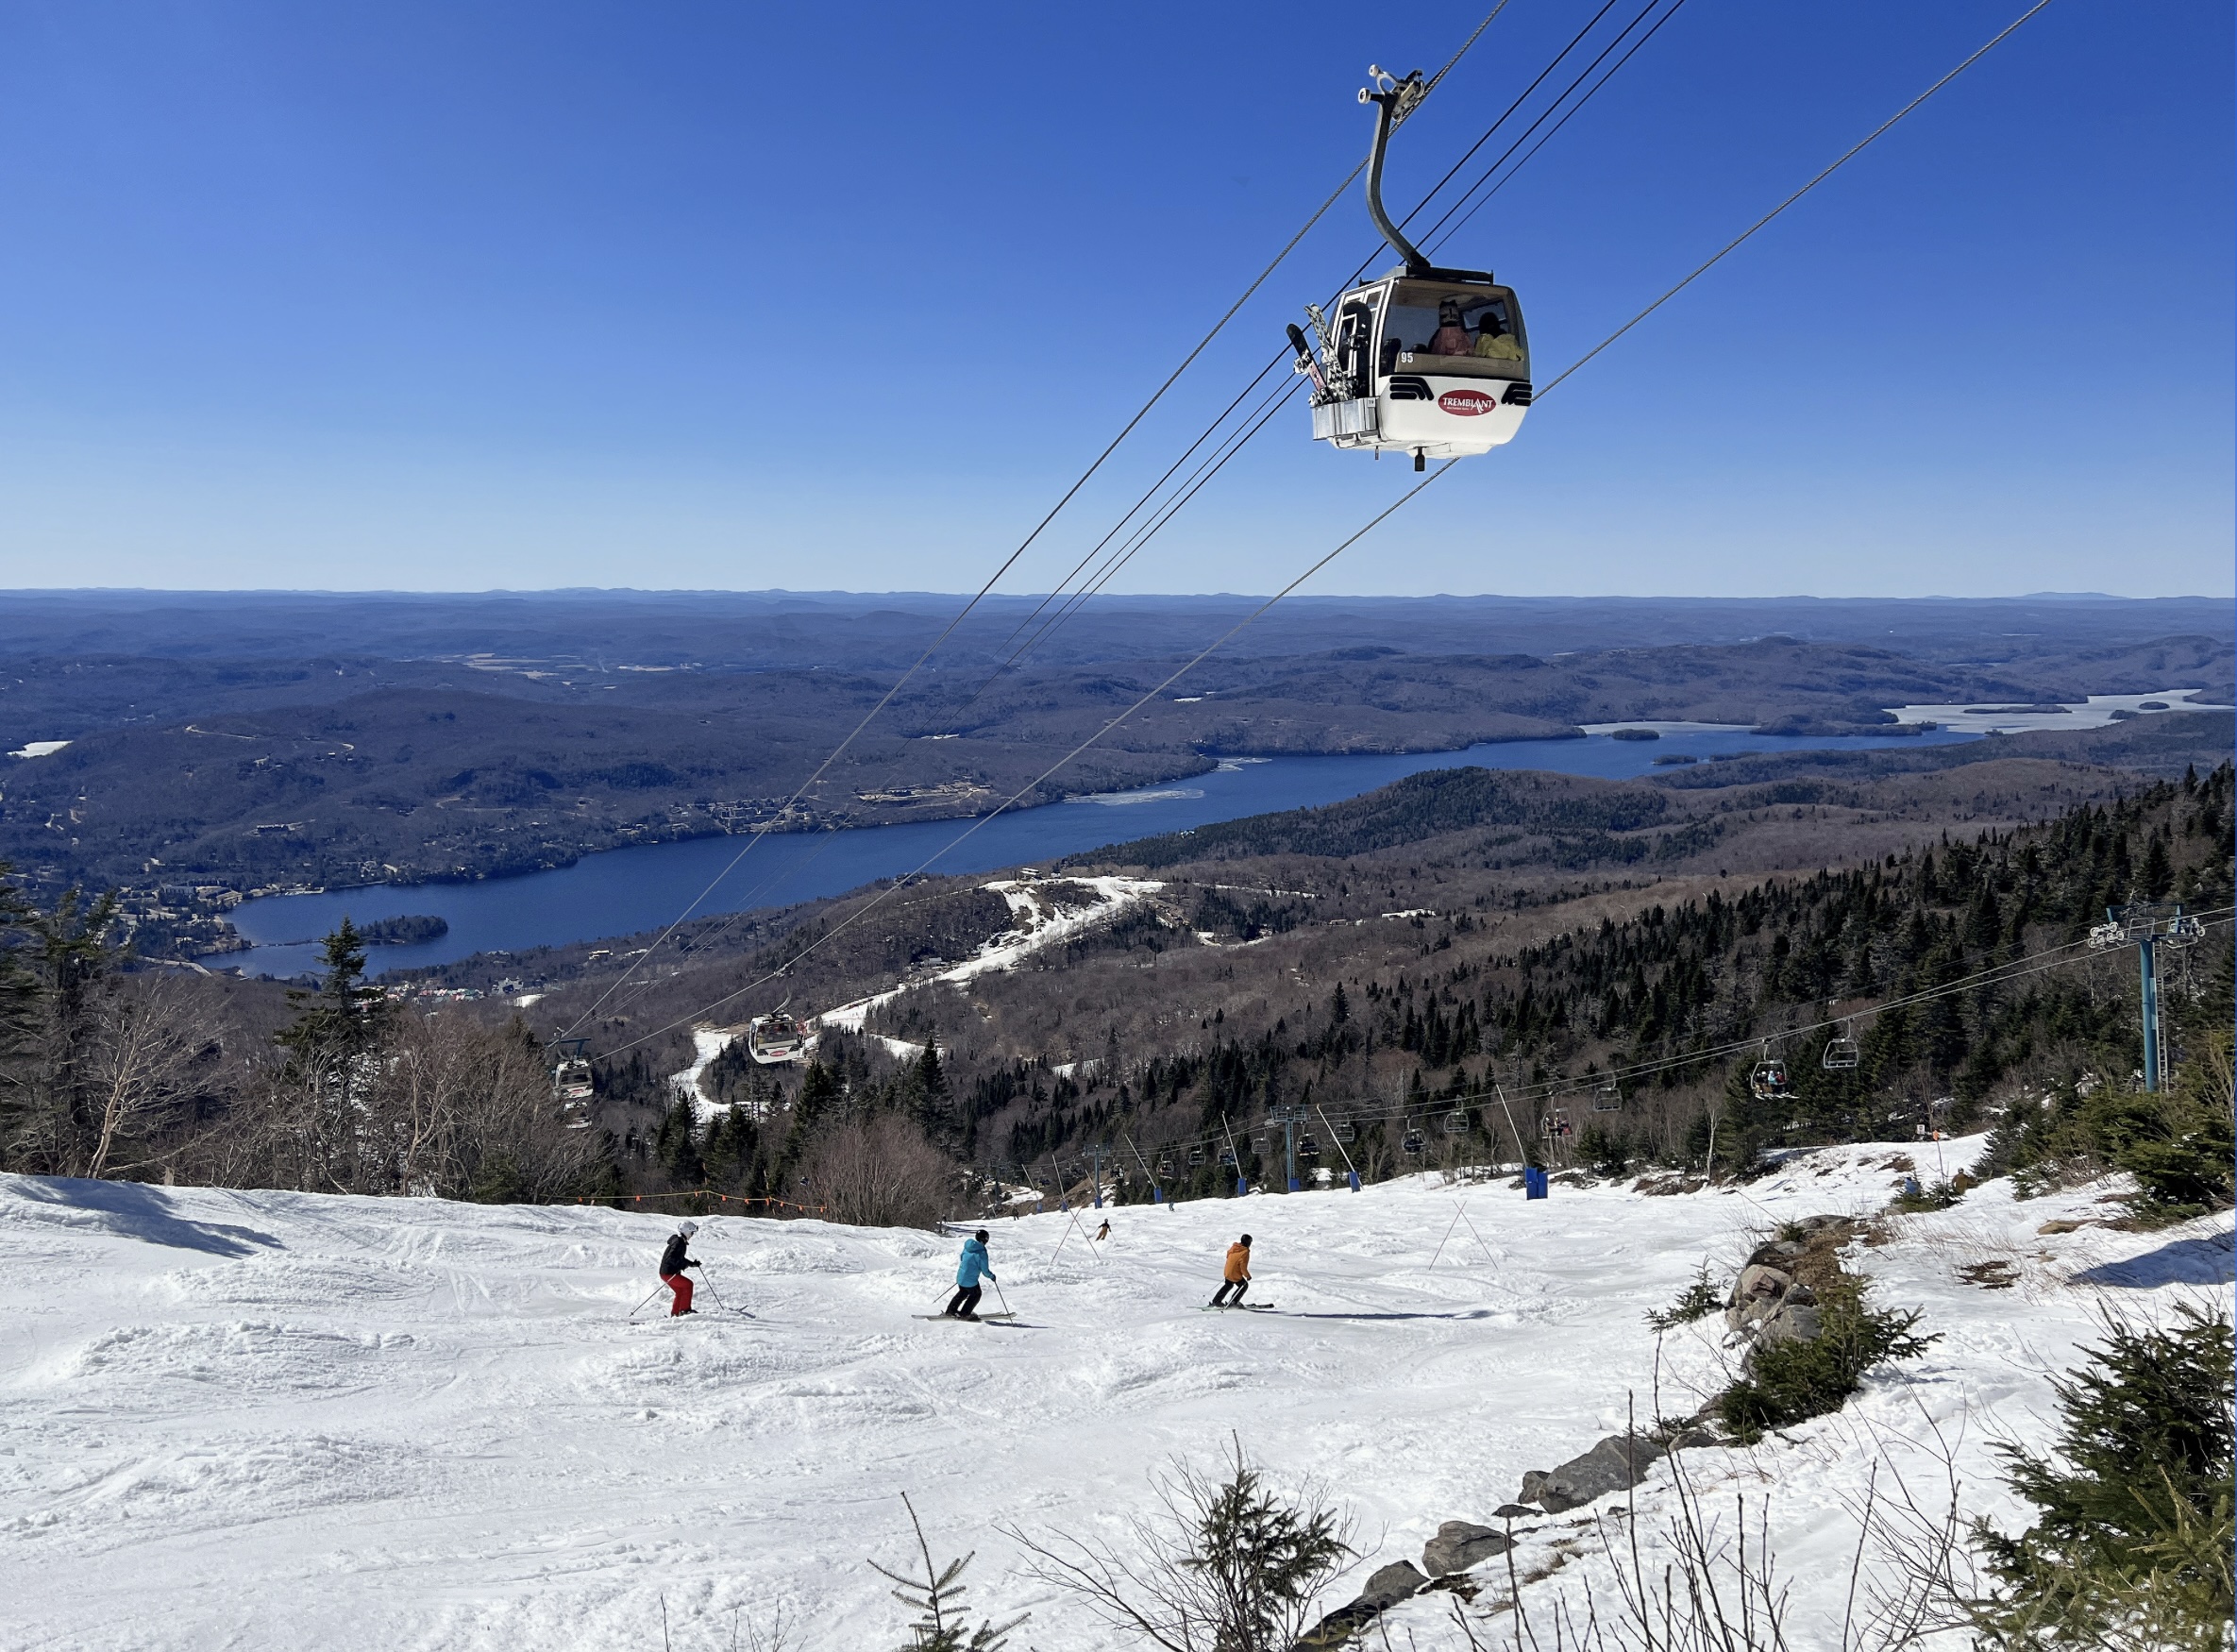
711	1290
648	1296
997	1294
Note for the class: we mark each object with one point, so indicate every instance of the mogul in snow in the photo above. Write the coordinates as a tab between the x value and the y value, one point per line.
1237	1275
673	1262
970	1269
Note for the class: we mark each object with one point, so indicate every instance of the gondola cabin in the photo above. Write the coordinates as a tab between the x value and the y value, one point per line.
777	1037
1435	365
571	1080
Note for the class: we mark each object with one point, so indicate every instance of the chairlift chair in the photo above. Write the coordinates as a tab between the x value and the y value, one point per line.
1346	1132
1196	1156
1307	1147
1555	1123
1608	1098
1842	1053
1420	360
1165	1164
1456	1123
1226	1158
1767	1082
1413	1140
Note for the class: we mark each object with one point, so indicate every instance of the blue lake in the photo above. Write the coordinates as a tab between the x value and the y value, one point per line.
624	891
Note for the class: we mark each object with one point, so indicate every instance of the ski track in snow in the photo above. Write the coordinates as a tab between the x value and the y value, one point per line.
275	1420
1042	924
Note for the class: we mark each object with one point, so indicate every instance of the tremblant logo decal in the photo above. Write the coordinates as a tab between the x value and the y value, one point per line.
1466	403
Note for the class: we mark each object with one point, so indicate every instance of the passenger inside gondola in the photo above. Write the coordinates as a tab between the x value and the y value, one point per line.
1451	338
1493	341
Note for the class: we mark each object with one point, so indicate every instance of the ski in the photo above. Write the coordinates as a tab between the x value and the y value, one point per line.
975	1319
1236	1307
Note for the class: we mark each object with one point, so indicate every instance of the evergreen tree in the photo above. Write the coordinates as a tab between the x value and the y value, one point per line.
329	1047
2134	1538
50	968
343	1017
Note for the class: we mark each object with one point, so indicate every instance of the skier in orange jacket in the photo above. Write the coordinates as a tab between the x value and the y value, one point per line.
1238	1277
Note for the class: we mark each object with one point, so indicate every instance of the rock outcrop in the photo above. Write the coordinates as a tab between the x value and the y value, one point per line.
1459	1545
1385	1589
1616	1464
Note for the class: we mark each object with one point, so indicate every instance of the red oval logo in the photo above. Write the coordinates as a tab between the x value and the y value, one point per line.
1466	403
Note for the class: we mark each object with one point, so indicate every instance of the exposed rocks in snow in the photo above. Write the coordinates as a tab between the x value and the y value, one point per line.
1459	1545
1772	1301
1385	1589
1616	1464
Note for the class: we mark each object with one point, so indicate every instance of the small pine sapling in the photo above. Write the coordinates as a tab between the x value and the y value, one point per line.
938	1597
1696	1301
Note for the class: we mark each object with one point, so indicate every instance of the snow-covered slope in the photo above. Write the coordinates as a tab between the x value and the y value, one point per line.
277	1419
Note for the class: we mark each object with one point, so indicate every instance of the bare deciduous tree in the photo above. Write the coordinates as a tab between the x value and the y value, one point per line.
882	1171
149	1036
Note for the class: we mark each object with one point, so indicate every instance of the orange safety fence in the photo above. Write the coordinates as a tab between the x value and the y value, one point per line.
617	1200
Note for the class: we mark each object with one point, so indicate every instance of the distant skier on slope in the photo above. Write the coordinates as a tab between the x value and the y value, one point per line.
970	1269
1238	1278
672	1263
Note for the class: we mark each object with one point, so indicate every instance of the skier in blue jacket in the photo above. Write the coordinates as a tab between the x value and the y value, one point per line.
969	1271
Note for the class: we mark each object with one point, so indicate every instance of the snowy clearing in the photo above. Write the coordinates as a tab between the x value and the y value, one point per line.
268	1420
1043	920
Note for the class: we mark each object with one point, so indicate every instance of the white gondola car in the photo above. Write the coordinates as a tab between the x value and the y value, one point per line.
571	1080
1429	362
777	1037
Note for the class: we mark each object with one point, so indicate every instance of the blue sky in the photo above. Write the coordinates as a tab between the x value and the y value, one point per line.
420	296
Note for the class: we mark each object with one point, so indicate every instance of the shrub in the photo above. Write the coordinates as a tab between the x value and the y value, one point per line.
2180	1144
882	1172
1791	1381
1602	1151
1696	1301
2133	1542
1234	1566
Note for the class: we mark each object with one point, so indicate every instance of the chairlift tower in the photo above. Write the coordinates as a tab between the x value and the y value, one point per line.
1290	1118
2148	925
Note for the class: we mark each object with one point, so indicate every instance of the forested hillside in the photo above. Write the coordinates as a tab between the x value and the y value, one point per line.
1614	1023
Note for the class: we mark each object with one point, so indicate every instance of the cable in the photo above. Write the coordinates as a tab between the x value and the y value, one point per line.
1851	154
1011	559
868	906
1996	975
1403	499
1533	148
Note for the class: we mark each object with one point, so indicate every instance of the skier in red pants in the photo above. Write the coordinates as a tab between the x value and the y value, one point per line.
672	1263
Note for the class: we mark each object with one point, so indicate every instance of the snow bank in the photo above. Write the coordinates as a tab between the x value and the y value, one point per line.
266	1420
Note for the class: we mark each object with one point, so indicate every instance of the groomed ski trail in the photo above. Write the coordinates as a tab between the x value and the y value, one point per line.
275	1420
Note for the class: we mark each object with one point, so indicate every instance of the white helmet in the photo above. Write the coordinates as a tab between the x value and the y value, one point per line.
688	1229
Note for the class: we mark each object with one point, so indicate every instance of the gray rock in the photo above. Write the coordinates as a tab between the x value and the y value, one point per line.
1385	1590
1793	1320
1391	1584
1514	1512
1757	1295
1459	1545
1616	1464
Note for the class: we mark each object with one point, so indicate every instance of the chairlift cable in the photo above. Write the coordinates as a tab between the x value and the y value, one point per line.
1996	975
